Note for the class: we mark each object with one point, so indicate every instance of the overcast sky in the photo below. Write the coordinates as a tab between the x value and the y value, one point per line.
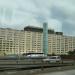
60	14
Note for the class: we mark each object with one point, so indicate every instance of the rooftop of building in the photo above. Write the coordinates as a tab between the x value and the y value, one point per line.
40	29
34	29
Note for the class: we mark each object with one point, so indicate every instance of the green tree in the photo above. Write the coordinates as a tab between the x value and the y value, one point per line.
71	52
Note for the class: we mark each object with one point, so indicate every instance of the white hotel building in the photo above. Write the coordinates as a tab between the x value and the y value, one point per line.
31	40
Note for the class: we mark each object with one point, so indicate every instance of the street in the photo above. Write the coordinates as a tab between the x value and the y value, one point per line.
69	72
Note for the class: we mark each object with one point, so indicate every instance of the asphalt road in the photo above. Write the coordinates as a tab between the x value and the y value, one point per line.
69	72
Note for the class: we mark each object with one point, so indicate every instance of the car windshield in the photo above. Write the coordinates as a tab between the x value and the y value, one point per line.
37	37
53	57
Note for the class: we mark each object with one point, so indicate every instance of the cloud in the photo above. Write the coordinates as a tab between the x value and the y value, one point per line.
55	24
66	8
59	14
69	27
64	11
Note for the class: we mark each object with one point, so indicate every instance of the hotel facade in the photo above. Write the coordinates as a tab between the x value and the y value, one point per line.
31	40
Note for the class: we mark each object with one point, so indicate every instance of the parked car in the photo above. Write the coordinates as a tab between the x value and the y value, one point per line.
53	59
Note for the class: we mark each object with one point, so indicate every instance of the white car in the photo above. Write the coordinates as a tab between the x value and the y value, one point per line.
53	59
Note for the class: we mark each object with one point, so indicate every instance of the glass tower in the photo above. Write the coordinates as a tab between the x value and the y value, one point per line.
45	38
